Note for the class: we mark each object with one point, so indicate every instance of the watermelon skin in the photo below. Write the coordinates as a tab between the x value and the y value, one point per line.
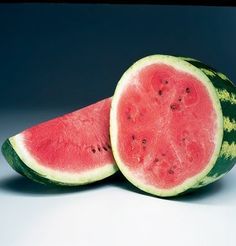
83	172
19	166
226	92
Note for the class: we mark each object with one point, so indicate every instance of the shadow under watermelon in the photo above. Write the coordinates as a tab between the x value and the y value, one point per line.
22	185
215	193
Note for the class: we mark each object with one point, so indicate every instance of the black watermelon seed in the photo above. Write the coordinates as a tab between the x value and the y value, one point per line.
174	106
187	90
105	148
144	141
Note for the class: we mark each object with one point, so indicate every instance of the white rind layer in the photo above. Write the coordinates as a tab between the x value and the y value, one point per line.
180	65
67	178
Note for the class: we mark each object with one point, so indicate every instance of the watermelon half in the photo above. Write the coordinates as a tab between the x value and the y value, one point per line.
172	124
73	149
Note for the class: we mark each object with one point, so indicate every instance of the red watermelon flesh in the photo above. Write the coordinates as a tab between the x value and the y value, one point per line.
166	126
75	142
72	149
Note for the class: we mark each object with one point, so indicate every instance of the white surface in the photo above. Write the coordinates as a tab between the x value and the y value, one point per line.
110	213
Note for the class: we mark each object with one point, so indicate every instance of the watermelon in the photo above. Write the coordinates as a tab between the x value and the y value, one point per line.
72	149
173	125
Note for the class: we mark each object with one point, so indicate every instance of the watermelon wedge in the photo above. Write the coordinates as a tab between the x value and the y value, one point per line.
73	149
172	125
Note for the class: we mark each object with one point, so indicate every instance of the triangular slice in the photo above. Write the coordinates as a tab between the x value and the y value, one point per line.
73	149
172	125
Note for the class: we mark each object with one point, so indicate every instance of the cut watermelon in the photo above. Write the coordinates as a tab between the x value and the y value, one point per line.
73	149
172	125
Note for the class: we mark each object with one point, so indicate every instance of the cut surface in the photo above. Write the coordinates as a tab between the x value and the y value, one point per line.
166	126
74	148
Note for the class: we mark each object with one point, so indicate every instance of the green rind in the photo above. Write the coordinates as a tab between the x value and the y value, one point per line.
226	92
19	166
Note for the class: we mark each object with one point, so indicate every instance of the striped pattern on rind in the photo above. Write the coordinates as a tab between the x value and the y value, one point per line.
19	166
226	92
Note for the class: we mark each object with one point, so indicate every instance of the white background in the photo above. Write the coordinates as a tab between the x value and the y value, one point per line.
112	212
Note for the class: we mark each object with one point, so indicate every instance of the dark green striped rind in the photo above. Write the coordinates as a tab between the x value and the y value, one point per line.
226	92
19	166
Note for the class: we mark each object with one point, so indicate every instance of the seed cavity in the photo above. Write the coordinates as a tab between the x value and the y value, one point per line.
170	171
133	137
156	160
140	159
99	149
160	92
109	146
191	159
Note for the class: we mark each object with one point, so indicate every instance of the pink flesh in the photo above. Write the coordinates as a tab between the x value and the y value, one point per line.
166	126
78	141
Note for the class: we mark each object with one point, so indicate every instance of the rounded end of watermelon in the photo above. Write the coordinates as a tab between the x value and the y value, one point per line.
165	87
